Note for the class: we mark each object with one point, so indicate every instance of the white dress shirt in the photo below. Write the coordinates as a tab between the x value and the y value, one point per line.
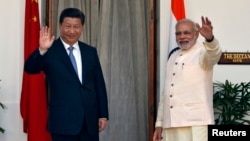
77	55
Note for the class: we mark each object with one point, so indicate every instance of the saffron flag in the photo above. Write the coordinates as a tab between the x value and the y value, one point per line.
33	102
177	13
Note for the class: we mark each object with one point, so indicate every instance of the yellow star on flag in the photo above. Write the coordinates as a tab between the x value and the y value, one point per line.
34	19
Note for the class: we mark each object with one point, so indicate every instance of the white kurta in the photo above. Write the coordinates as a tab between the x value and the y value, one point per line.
187	99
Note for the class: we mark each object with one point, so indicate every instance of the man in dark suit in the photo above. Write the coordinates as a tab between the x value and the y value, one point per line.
78	107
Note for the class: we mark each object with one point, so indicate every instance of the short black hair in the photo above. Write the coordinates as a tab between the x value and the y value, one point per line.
73	13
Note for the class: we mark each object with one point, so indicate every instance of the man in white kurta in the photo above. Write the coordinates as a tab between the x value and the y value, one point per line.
186	105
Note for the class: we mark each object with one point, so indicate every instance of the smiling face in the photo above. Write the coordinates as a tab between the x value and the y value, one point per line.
71	29
186	35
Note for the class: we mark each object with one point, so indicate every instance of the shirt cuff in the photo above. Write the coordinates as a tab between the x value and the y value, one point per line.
42	52
158	124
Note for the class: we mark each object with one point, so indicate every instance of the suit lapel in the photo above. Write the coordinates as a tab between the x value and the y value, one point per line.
62	53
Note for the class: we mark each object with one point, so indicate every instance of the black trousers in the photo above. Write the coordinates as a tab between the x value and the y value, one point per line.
82	136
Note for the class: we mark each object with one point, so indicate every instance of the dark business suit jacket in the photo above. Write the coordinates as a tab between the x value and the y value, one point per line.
70	101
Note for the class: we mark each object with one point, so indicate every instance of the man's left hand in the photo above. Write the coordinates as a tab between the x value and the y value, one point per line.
102	124
206	29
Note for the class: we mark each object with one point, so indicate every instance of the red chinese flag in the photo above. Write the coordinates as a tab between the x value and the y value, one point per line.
177	13
33	103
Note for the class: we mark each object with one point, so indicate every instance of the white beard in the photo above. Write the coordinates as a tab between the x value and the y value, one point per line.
188	45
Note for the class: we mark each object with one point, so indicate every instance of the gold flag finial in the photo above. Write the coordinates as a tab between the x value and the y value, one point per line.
35	1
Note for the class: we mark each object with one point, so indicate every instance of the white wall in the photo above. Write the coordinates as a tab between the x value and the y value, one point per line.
231	27
11	67
11	63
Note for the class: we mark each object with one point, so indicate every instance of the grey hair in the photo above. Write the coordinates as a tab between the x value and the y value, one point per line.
187	21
